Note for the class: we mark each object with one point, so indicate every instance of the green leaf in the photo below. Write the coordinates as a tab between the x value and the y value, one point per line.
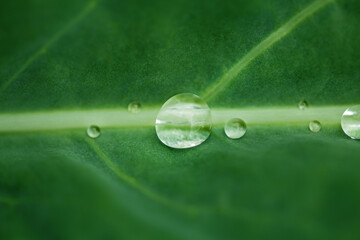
65	65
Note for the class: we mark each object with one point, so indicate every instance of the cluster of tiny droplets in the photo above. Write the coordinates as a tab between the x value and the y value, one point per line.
94	131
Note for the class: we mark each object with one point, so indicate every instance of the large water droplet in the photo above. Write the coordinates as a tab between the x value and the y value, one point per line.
350	122
235	128
315	126
184	121
134	107
93	131
303	105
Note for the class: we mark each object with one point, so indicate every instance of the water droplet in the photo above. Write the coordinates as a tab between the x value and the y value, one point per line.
315	126
184	121
235	128
93	131
350	122
134	107
303	105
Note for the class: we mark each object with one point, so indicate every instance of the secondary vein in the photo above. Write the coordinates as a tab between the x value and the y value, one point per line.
136	185
88	8
274	37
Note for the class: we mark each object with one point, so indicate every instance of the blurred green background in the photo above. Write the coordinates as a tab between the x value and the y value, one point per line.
278	182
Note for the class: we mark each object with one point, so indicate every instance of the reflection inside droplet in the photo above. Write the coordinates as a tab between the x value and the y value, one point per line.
315	126
93	131
350	122
235	128
303	105
134	107
184	121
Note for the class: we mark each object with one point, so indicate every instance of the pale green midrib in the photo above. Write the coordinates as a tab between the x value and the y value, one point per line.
274	37
87	9
121	118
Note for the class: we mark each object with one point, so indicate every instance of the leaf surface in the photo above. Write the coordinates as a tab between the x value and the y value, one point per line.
67	64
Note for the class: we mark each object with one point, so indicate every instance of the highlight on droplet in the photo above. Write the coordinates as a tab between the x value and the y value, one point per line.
350	122
184	121
315	126
93	131
235	128
134	107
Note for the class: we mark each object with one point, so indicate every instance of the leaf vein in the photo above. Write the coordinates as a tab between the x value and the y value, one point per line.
191	210
121	118
88	8
274	37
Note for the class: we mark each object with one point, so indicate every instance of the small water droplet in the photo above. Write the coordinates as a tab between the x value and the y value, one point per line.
184	121
93	131
303	105
235	128
350	122
134	107
315	126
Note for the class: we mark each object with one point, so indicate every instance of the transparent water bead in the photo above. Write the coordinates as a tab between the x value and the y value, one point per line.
235	128
93	131
303	105
134	107
184	121
315	126
350	122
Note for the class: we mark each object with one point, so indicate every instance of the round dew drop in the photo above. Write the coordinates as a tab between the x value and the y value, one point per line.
184	121
134	107
93	131
303	105
235	128
350	122
315	126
